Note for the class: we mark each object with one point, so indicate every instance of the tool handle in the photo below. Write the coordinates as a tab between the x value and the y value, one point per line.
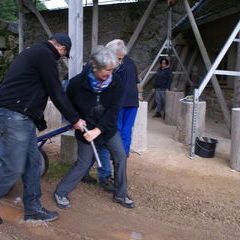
94	150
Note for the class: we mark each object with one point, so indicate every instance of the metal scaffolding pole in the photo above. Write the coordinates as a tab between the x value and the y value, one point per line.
208	64
213	70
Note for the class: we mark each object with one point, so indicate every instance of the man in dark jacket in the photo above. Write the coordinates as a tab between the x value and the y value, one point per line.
30	80
162	83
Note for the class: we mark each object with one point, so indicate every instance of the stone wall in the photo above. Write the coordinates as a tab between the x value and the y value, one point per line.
115	21
213	108
8	47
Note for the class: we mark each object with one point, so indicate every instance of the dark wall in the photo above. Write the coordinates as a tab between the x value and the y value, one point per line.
115	21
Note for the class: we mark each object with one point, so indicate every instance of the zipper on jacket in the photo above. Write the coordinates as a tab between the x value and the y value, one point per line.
98	98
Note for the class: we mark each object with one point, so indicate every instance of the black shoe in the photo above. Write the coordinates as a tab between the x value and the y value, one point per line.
157	115
125	201
1	221
89	180
108	184
42	215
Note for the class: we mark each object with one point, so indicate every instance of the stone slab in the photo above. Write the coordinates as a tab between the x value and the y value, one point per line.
173	107
184	122
139	135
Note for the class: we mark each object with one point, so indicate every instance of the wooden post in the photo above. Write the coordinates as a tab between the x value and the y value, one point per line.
141	24
190	63
235	140
192	60
207	62
179	78
75	26
236	97
94	24
32	8
20	26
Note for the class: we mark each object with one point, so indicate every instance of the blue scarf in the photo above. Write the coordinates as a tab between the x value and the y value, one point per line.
98	86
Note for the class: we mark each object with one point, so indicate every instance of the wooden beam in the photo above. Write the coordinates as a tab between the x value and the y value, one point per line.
75	26
141	24
32	8
207	62
236	95
20	26
179	78
94	24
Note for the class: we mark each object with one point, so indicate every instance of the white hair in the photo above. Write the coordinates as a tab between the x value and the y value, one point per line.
117	46
104	57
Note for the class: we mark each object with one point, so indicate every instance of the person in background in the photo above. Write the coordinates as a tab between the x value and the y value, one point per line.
30	80
96	95
162	84
127	73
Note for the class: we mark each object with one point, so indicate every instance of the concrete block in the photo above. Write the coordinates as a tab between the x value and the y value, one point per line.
139	136
52	116
184	121
173	106
235	140
68	153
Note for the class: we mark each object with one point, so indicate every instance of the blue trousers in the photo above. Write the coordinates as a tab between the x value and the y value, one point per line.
19	157
84	160
160	98
126	120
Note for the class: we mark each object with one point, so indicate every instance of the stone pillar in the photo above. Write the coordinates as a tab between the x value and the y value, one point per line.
68	152
235	140
173	106
139	136
52	116
184	121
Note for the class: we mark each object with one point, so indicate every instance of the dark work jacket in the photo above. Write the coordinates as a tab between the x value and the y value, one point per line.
99	110
31	78
128	75
163	79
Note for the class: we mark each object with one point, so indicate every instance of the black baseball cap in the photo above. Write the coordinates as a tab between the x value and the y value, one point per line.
63	39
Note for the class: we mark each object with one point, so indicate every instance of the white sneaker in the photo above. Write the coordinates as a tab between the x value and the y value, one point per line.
62	202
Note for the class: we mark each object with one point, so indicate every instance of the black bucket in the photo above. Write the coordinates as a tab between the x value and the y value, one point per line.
205	147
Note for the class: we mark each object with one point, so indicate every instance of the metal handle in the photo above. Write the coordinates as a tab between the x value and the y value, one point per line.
94	149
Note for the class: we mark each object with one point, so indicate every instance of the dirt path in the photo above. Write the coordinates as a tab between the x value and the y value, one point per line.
177	198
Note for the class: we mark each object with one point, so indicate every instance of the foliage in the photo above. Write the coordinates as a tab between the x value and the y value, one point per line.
9	12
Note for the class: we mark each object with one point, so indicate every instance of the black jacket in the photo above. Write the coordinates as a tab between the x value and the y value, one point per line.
97	109
31	78
128	74
163	79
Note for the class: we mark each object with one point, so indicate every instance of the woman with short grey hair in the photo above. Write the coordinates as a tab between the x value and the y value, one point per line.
127	73
96	94
102	57
118	47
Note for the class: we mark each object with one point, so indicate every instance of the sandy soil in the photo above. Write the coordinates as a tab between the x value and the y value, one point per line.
177	198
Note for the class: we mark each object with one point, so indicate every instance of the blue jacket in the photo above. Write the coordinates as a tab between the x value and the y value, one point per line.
163	79
128	74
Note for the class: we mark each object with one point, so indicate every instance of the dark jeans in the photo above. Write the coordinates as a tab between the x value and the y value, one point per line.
19	157
84	161
160	98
